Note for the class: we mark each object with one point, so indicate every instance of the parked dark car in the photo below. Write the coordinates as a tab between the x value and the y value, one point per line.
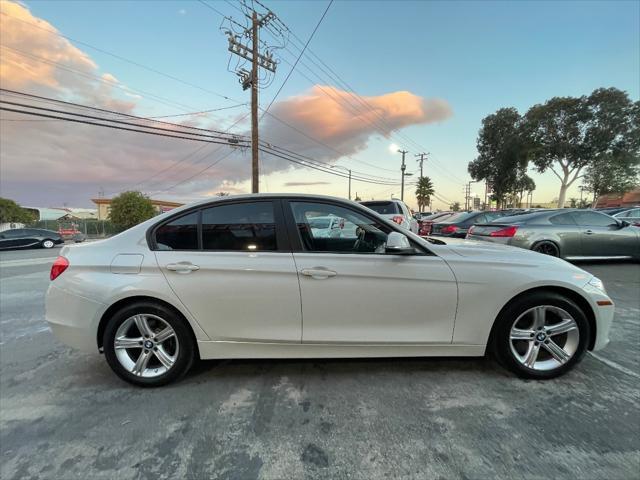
29	238
569	234
424	224
457	225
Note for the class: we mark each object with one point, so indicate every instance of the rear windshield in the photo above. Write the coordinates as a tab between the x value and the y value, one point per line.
383	208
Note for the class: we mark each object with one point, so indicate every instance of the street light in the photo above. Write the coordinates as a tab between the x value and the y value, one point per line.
348	170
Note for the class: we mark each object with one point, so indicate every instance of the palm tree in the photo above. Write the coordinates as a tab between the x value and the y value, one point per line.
424	191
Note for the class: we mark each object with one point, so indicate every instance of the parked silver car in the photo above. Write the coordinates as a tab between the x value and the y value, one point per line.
569	234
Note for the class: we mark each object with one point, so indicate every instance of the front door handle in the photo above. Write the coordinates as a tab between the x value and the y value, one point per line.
318	272
182	267
589	232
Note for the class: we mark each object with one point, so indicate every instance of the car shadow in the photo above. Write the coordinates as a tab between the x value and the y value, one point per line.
209	370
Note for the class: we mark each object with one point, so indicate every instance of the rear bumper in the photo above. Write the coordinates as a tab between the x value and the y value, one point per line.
73	319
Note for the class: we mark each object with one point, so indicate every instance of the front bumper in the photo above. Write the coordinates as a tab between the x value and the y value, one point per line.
604	311
73	319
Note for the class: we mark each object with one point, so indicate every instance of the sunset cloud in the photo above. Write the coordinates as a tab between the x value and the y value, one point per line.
345	122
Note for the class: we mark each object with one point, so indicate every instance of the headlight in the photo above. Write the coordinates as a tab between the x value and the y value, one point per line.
597	283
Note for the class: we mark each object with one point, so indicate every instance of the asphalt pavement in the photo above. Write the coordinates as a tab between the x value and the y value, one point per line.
64	415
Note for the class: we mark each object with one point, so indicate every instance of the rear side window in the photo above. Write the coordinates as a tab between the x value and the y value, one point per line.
179	234
241	226
594	219
563	219
383	208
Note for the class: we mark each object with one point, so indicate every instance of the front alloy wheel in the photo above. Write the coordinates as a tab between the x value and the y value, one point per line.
148	344
544	337
48	243
541	335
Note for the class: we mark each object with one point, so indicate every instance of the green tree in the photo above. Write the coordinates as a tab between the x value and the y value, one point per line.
424	192
523	184
11	212
618	170
502	153
455	207
567	135
129	209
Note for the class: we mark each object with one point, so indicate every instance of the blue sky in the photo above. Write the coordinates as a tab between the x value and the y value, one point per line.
478	56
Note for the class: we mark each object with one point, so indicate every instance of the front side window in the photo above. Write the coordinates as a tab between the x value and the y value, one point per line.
240	226
356	233
179	234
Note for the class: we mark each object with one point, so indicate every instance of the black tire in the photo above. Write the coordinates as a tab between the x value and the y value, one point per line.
183	334
547	247
47	243
501	335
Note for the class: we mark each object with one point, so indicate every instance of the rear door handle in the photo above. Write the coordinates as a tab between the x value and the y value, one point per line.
589	232
182	267
318	272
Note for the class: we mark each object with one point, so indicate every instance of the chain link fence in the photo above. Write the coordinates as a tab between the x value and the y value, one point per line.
89	228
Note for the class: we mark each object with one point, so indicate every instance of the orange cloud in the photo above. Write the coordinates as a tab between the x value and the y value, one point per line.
346	122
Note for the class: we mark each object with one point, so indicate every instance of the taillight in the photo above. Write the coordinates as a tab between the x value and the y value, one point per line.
505	232
59	266
398	219
449	229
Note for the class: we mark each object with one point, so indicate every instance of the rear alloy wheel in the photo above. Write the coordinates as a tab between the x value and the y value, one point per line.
47	243
541	336
548	248
148	345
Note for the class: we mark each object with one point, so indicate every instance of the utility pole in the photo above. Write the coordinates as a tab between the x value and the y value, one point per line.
403	167
467	196
255	169
251	79
421	161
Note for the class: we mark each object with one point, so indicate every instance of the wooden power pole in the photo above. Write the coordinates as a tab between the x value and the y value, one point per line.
255	168
251	79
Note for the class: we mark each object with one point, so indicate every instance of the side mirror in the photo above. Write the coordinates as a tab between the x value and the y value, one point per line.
624	223
398	244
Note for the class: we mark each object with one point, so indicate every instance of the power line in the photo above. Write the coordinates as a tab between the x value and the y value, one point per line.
176	127
103	110
293	67
265	149
92	117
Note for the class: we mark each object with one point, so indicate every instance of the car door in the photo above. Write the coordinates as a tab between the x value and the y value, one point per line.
14	238
603	236
231	266
564	230
375	298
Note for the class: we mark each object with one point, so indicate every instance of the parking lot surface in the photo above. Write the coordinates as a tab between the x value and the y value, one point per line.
64	415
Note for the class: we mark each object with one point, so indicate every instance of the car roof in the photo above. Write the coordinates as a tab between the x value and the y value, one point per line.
370	202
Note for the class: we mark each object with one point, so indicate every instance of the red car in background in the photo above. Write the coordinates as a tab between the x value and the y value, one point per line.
425	223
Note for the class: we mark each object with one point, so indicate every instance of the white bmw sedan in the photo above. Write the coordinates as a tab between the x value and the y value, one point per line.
245	277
